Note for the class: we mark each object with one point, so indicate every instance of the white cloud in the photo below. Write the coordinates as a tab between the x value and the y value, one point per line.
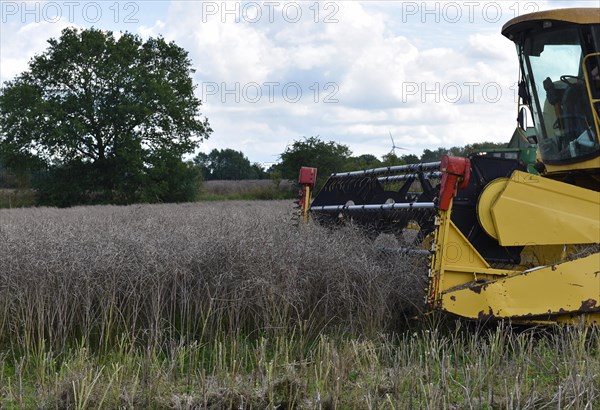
20	43
372	62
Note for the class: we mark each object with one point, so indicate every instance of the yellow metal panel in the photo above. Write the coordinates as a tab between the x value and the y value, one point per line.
485	202
535	210
572	286
457	250
574	15
593	163
455	262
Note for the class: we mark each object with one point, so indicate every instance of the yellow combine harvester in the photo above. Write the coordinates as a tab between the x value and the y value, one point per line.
504	243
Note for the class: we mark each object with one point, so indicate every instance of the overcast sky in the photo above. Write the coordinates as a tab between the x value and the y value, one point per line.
270	72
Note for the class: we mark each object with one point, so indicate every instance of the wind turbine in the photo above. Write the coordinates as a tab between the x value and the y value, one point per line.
394	147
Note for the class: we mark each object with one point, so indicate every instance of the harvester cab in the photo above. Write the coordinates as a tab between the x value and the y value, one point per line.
502	242
559	55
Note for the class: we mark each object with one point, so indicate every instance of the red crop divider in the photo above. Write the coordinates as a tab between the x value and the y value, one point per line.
456	172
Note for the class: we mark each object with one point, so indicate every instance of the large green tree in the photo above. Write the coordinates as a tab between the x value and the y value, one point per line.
327	157
364	161
105	114
227	164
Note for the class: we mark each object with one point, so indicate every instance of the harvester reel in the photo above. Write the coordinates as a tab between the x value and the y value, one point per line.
394	201
364	199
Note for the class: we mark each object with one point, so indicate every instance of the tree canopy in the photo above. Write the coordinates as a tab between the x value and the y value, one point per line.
112	111
328	157
228	164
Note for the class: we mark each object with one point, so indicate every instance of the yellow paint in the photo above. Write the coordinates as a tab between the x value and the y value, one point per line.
593	163
533	210
455	262
306	208
486	200
574	15
551	290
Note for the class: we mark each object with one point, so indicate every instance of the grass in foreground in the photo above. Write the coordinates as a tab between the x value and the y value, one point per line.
495	368
230	305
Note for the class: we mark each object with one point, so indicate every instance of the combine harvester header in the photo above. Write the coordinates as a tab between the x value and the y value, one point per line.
503	242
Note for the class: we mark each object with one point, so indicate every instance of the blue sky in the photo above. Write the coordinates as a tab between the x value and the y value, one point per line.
270	72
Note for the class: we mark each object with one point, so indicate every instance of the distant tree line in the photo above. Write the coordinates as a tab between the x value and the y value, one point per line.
228	164
327	156
330	157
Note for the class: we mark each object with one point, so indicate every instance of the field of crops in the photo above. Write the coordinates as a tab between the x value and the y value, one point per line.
232	305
